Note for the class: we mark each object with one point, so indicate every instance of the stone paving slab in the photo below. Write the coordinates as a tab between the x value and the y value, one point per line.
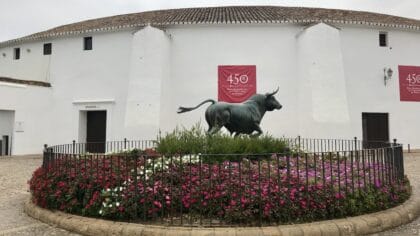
412	169
14	174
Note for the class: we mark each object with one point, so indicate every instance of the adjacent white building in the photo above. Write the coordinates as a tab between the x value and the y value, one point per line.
125	76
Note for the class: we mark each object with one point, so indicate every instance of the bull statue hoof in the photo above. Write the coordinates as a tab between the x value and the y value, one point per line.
238	118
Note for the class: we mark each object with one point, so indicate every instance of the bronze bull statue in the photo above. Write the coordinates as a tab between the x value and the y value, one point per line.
241	118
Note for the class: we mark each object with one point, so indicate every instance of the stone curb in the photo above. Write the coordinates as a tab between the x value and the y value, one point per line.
358	225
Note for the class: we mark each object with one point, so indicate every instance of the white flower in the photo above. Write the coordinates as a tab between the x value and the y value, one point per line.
121	188
117	204
104	204
110	205
108	189
100	212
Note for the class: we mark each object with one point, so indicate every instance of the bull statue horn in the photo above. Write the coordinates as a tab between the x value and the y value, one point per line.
271	94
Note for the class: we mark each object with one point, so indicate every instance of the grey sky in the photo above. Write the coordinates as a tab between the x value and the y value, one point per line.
22	17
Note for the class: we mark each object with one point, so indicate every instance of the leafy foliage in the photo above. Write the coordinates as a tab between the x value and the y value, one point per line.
276	189
195	141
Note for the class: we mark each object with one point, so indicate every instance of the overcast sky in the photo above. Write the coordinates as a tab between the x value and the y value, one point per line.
22	17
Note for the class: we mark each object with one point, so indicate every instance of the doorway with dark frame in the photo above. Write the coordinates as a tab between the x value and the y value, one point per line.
5	146
7	123
96	131
375	129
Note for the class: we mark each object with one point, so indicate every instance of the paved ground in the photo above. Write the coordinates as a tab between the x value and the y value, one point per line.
412	169
15	172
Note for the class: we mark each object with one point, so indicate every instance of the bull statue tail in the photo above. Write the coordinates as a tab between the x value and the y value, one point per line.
187	109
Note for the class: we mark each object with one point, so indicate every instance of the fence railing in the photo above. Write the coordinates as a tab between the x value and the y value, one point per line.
207	189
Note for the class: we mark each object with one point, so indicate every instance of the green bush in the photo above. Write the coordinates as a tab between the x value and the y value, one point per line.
195	141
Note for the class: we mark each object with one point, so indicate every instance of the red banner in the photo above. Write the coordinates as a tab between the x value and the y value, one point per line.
409	83
237	83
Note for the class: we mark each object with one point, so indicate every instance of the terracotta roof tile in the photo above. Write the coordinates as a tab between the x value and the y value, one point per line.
224	15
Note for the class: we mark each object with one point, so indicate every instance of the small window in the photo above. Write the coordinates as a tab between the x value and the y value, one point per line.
16	53
87	43
383	39
47	48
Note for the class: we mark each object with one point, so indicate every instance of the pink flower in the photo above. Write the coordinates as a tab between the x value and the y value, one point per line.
157	204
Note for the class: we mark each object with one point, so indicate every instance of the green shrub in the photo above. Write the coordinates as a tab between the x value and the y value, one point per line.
195	141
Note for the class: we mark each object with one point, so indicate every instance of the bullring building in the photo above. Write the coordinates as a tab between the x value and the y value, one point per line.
340	74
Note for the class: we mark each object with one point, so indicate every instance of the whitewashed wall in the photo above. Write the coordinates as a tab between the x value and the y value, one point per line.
32	65
7	119
196	51
149	66
90	80
348	68
323	106
31	107
152	71
81	80
364	62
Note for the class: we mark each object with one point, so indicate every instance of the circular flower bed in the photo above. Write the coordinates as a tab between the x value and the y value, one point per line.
236	189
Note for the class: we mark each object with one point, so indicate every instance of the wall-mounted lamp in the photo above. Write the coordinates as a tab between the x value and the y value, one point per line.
387	74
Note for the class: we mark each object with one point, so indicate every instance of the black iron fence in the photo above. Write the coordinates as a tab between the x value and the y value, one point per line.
313	178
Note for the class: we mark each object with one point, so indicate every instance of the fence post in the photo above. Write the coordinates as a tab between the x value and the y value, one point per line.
74	147
44	156
398	153
355	143
125	143
408	148
50	157
160	136
298	143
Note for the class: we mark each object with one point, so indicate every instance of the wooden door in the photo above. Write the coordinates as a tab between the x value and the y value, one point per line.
96	131
375	129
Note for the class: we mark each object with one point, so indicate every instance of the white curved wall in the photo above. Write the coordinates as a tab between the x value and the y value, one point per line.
142	76
32	65
198	50
31	107
364	62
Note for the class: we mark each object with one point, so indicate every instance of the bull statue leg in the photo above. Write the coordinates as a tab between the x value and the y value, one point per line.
219	121
214	129
258	129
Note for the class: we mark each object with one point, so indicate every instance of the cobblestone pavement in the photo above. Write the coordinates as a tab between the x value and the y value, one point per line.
14	174
412	169
16	171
